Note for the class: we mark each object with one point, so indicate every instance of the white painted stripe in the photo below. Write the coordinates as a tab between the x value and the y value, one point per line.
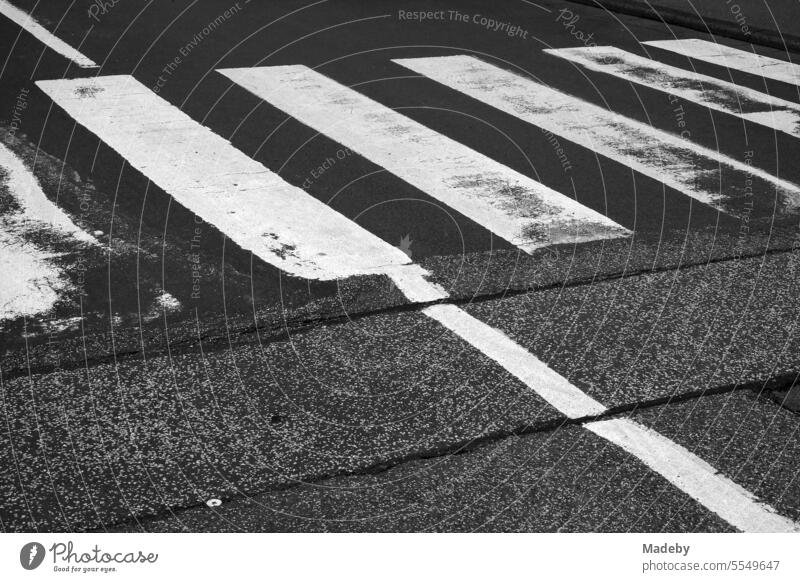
732	58
678	163
749	104
694	476
546	382
35	209
27	22
254	207
511	205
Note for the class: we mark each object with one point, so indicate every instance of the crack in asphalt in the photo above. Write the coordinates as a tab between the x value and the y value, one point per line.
220	342
762	388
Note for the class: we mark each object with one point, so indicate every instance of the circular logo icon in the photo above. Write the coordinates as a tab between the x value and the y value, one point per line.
31	555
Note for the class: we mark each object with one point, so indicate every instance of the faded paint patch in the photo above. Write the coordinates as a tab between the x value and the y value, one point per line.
36	283
743	102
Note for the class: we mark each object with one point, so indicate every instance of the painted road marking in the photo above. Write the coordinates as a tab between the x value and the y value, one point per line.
262	213
694	476
199	169
27	22
732	58
676	464
31	284
724	96
521	210
680	164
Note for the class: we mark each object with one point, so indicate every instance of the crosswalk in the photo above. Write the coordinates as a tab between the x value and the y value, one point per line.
222	185
283	225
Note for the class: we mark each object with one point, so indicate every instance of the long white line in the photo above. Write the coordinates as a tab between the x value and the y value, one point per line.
694	476
254	207
287	227
749	104
513	206
732	58
680	164
27	22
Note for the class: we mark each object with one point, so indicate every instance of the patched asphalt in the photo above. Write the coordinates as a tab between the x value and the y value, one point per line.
565	479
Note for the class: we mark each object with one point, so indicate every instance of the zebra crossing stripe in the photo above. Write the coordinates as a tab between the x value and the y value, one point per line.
251	205
680	164
732	58
27	22
511	205
694	476
716	94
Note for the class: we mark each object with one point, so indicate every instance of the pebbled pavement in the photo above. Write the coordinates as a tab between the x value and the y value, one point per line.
565	479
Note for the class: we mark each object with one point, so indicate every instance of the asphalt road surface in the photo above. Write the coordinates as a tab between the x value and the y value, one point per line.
340	266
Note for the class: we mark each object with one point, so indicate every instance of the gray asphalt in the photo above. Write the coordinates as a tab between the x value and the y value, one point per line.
564	479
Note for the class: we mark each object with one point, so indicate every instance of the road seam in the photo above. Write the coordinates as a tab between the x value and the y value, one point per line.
463	447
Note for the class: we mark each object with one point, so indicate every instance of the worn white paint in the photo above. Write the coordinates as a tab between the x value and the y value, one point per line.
251	205
694	476
677	162
732	58
749	104
511	205
31	283
36	210
27	22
